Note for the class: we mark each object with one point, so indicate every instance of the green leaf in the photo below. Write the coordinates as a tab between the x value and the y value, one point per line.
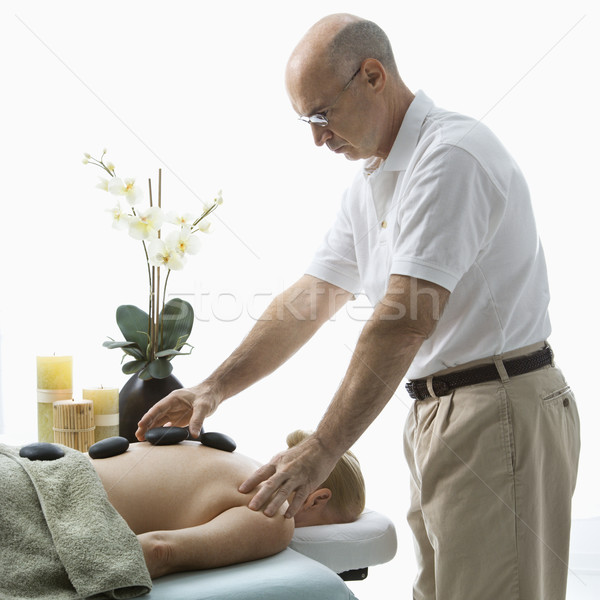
133	323
113	345
160	368
164	353
133	366
145	374
129	348
176	319
136	353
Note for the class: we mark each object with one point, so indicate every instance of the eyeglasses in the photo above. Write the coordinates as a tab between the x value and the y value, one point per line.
321	119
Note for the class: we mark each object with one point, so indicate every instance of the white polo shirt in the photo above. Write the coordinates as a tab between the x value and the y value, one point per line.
449	205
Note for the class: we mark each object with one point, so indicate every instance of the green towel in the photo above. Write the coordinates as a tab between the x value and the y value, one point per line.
60	538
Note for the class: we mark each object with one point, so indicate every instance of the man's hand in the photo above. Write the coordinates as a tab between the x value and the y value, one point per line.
180	408
295	472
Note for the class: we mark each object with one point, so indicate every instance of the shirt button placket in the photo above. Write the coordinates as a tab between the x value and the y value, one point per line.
383	231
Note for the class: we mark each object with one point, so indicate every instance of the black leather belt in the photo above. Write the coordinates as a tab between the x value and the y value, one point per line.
444	384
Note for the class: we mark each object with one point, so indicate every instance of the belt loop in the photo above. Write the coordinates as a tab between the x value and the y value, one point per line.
501	369
547	345
430	387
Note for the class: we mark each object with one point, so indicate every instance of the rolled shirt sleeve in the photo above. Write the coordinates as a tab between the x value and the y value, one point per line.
335	260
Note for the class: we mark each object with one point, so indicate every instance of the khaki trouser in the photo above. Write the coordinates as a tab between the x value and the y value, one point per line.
493	469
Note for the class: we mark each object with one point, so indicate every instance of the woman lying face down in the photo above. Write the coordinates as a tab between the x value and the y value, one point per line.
183	503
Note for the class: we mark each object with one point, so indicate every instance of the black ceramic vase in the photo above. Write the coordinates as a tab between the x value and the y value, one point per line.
137	396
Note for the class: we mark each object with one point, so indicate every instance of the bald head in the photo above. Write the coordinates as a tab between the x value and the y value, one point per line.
338	44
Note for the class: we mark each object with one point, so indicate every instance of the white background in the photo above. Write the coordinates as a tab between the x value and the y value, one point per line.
196	88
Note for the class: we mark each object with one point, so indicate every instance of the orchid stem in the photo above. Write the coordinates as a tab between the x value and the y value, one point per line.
151	272
157	307
163	304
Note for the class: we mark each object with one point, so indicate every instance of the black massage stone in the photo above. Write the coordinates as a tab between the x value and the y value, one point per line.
41	451
220	441
198	438
108	447
166	436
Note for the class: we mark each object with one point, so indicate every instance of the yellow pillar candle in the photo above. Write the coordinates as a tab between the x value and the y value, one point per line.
54	382
106	410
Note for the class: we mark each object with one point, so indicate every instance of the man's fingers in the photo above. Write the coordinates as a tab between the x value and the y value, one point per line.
155	417
175	408
270	497
276	502
274	493
197	420
299	497
154	413
257	477
283	478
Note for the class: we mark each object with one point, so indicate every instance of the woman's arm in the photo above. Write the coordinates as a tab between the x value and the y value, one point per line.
236	535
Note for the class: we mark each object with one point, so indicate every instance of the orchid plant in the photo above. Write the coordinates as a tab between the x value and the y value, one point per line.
153	338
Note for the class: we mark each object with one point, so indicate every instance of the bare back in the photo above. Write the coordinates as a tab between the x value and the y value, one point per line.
173	487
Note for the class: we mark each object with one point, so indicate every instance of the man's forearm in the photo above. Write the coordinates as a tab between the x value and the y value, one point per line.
383	354
285	326
375	371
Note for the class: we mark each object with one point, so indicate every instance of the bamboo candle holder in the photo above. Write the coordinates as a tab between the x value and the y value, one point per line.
74	424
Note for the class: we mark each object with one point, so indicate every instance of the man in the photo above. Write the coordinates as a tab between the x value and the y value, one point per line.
183	503
438	231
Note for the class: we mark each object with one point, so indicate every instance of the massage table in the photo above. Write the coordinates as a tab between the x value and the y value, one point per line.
314	566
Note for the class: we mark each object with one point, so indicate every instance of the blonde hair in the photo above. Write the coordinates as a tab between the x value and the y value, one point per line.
346	482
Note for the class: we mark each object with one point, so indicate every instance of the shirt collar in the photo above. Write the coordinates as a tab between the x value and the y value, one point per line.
408	136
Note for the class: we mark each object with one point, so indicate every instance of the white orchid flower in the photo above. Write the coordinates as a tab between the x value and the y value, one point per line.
185	219
205	226
161	254
184	241
120	218
125	187
146	223
103	184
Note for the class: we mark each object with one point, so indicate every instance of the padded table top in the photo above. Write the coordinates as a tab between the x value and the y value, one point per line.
284	576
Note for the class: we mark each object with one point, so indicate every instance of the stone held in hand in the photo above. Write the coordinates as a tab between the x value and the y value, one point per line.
220	441
191	437
41	451
108	447
166	436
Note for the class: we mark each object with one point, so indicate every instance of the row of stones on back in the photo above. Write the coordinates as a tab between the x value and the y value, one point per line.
161	436
113	446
